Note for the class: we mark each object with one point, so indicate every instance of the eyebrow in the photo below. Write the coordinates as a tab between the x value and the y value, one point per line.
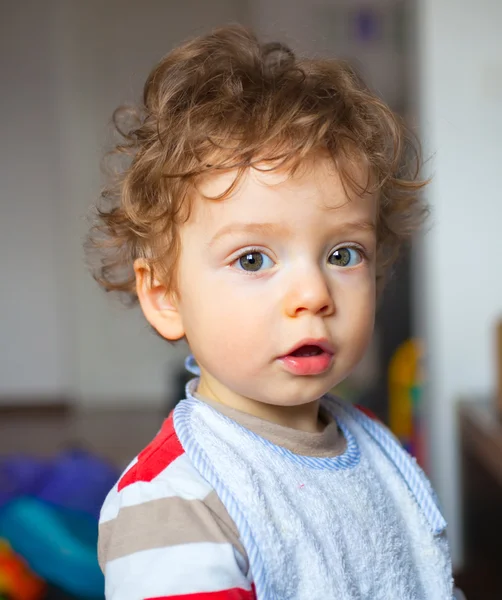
281	230
359	226
255	228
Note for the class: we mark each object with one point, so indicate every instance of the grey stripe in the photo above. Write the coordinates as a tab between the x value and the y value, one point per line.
167	522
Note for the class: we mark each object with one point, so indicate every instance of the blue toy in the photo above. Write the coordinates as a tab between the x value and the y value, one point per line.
75	480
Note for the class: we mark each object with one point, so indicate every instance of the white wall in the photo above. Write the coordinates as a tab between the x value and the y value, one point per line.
33	342
65	66
459	288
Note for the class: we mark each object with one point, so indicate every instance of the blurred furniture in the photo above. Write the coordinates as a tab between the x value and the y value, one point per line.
481	472
114	434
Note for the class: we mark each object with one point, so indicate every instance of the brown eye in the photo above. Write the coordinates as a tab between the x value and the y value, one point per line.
252	261
345	257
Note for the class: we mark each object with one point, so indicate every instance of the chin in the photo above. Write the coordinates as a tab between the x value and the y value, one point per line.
303	394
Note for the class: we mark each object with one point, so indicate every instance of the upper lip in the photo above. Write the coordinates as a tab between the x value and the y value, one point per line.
322	343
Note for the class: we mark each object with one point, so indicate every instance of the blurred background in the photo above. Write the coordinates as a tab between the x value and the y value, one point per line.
84	384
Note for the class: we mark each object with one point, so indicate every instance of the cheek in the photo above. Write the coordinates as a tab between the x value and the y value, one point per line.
222	318
357	313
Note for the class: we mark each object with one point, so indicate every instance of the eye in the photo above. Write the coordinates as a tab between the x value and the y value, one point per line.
254	261
345	257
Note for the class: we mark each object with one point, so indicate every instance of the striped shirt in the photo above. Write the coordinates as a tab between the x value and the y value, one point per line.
163	531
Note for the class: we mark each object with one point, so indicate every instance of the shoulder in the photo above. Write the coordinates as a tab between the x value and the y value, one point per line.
162	502
150	464
161	470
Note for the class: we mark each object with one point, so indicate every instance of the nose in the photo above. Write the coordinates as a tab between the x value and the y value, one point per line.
309	292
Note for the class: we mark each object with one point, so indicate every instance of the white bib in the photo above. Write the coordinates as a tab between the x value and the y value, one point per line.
360	526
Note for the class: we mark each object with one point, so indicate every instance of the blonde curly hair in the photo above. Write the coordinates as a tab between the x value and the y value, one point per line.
225	101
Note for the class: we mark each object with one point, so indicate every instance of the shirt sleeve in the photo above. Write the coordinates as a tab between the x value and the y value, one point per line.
161	545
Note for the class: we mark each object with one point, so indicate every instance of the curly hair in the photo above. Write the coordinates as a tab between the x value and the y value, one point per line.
225	101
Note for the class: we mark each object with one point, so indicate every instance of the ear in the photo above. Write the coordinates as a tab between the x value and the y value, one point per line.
158	304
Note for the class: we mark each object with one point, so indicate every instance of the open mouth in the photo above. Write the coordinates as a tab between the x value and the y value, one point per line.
309	358
307	350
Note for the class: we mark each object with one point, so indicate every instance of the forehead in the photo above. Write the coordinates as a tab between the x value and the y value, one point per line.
315	188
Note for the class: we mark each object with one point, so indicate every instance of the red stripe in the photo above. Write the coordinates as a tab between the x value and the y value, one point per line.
233	594
159	454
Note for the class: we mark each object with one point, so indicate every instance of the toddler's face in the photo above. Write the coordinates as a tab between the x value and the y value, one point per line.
277	284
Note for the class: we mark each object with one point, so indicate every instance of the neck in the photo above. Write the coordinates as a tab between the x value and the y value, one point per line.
303	417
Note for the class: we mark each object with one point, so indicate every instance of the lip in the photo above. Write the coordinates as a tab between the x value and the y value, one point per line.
323	344
309	365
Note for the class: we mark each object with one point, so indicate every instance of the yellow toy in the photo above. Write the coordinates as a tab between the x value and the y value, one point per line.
405	384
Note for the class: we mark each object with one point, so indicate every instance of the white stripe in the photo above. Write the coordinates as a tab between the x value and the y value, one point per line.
175	570
112	498
178	479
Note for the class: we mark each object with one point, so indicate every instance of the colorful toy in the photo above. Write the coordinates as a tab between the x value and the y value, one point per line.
17	582
405	386
48	514
59	545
